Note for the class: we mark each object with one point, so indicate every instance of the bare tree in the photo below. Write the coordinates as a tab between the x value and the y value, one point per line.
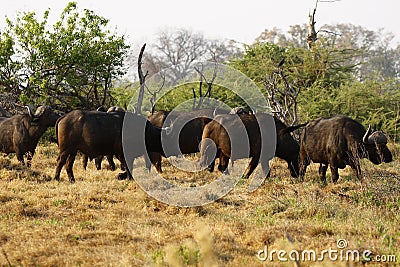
222	50
312	33
312	36
154	93
282	95
196	105
142	80
181	49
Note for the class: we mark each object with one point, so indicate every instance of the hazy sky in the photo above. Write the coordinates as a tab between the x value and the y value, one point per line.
242	21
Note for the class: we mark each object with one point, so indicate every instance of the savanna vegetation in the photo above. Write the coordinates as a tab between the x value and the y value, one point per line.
101	221
79	63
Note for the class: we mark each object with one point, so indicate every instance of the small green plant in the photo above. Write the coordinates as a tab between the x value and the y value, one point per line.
59	202
87	225
189	256
56	222
157	257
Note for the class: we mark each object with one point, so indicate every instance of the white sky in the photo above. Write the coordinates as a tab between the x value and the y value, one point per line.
242	21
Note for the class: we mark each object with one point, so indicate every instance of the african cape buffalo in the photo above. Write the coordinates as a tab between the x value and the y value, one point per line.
186	127
97	133
340	141
99	159
280	141
21	133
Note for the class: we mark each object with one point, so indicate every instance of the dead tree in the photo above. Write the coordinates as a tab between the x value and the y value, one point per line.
154	93
312	33
282	96
312	36
142	80
196	105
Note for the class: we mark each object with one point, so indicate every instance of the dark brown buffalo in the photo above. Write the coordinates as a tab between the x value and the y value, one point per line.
21	133
217	131
187	127
340	141
99	159
97	133
159	119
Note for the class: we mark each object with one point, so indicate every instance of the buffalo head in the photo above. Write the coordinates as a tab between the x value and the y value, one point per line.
241	111
43	115
375	144
115	109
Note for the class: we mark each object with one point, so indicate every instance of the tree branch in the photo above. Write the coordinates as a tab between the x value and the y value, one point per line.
142	80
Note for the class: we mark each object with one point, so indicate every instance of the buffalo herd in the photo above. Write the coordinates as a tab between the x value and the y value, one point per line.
240	133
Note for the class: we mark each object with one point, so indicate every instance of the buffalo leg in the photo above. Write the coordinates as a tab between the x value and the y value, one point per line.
251	167
322	172
303	167
126	173
29	156
20	156
97	162
111	163
84	161
155	159
70	164
358	171
62	158
335	173
122	166
223	164
211	167
355	165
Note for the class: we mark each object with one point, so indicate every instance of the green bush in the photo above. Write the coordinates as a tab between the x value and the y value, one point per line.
369	102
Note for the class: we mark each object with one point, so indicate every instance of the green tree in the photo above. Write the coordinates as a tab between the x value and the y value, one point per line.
71	64
8	65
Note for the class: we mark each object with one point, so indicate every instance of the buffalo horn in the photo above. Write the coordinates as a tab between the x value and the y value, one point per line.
215	112
366	136
30	111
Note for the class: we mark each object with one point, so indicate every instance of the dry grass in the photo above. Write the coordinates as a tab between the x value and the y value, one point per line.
100	221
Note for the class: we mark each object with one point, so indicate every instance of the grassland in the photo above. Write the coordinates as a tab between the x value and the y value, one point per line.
101	221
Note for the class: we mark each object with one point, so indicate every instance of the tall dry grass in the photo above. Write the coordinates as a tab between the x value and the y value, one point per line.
101	221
